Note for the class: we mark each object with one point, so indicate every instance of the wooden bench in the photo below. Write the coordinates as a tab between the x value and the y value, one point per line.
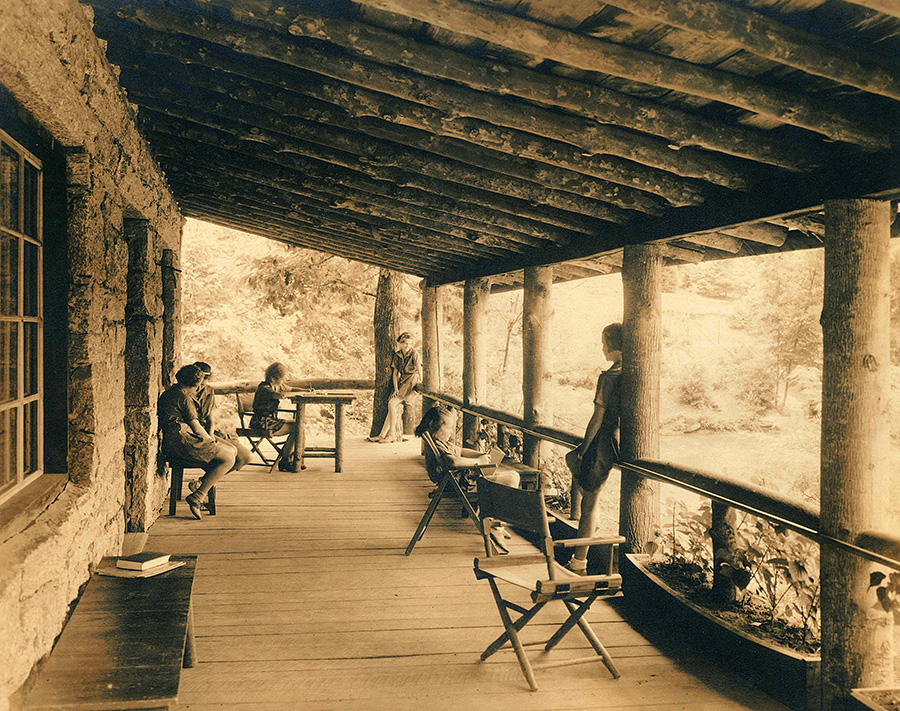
123	647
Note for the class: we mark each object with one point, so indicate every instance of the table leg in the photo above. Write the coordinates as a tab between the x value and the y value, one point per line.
338	436
300	442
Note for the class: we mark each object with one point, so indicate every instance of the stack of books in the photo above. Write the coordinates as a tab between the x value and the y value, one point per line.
139	565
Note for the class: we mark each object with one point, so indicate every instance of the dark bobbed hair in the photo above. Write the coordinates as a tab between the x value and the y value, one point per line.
205	368
431	420
275	371
189	376
612	334
405	336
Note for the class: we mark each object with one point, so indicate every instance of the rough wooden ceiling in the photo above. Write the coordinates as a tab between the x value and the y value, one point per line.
452	138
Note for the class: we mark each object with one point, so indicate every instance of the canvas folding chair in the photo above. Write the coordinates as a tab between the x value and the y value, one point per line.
541	575
257	436
455	479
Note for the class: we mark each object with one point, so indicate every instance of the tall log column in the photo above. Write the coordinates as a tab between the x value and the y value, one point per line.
639	499
856	638
432	314
171	296
387	306
475	296
536	368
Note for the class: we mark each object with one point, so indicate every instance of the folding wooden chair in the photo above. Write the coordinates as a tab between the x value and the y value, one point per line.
540	574
453	477
257	436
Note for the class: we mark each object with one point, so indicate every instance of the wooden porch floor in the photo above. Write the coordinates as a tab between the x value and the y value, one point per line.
303	599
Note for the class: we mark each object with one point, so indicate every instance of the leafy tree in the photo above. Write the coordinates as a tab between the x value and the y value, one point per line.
783	313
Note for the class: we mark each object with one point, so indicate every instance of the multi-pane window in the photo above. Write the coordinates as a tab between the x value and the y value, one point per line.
21	326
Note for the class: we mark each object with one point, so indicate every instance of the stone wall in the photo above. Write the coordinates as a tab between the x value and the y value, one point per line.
54	68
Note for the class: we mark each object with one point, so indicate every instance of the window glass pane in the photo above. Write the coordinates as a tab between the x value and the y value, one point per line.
9	275
8	477
9	354
30	430
30	275
9	187
31	358
31	200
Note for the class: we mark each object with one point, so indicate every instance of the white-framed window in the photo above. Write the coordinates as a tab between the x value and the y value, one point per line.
21	318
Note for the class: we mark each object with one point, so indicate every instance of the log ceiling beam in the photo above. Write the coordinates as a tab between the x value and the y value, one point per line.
595	55
724	243
763	232
295	135
416	236
297	104
765	37
306	237
341	184
446	238
369	244
337	166
171	154
680	128
458	103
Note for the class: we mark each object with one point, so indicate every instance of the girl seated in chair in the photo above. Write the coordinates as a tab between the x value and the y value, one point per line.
265	409
440	423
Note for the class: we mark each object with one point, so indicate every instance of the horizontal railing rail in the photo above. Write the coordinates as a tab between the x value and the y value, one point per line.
243	386
878	546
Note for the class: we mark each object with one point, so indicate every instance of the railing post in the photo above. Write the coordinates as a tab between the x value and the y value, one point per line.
855	477
642	343
432	313
475	296
536	371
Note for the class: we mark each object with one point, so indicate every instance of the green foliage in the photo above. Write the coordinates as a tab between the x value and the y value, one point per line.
691	389
774	568
887	592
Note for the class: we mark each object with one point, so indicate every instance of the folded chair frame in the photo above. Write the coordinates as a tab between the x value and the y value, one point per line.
548	582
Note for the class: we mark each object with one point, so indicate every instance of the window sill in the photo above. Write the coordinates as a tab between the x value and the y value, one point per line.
21	510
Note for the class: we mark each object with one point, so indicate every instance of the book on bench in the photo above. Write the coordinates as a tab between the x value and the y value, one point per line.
142	561
110	568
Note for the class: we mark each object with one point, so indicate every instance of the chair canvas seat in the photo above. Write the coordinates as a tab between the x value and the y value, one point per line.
541	575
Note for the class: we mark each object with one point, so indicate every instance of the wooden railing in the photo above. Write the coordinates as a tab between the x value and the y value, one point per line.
878	546
245	386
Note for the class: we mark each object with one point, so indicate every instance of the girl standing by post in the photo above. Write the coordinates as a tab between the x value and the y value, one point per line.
406	373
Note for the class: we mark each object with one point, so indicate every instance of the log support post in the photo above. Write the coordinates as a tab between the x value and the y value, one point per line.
475	296
387	308
536	368
855	476
432	315
171	297
642	343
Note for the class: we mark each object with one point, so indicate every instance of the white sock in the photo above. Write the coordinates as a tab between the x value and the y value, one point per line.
578	563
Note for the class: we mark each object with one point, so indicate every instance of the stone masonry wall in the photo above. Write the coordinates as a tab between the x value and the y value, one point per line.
54	67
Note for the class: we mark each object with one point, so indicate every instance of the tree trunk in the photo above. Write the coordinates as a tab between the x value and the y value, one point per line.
387	307
855	476
722	534
642	285
475	296
536	369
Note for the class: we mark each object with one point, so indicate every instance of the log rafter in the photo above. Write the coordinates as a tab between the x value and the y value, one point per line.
170	153
456	101
775	40
293	135
314	179
296	104
587	53
318	160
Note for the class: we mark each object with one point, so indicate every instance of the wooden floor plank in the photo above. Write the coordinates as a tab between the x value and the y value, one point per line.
303	599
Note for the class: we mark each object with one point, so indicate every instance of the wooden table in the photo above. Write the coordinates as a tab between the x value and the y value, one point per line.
124	645
301	400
